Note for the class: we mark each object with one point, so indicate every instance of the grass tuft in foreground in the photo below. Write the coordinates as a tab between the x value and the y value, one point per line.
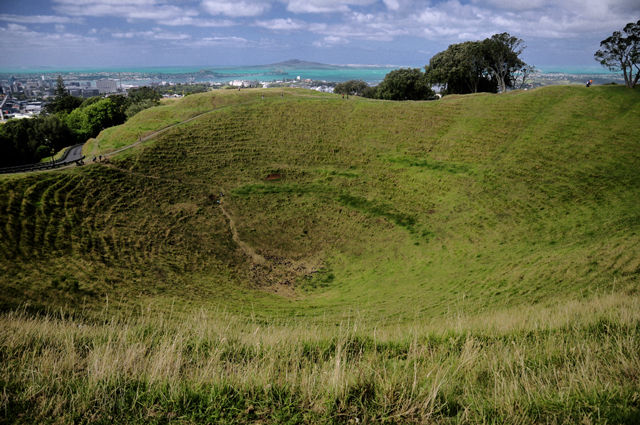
576	363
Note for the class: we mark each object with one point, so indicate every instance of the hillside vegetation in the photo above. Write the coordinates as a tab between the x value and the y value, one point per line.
392	208
466	260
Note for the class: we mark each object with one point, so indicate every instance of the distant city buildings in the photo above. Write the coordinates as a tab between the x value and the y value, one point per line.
243	83
27	89
20	109
107	86
91	92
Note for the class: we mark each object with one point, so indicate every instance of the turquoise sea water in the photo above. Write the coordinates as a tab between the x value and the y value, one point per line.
370	74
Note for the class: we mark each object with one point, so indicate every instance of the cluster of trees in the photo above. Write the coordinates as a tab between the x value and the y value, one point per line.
399	84
66	121
352	87
184	89
490	65
405	84
27	141
622	53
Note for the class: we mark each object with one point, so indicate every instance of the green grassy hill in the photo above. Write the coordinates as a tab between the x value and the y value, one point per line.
398	209
458	230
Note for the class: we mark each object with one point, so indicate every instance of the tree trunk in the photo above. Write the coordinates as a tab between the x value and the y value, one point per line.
627	77
502	85
635	81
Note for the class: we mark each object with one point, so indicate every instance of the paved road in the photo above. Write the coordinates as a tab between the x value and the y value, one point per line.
75	153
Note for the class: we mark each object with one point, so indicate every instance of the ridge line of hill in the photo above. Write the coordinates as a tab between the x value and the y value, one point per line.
155	133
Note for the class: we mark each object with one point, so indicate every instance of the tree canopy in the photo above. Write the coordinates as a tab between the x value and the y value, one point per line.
479	66
28	141
144	93
405	84
502	58
620	53
353	87
68	120
89	121
461	69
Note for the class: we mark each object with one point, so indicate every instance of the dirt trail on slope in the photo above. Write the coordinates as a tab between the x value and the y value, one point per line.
256	258
270	273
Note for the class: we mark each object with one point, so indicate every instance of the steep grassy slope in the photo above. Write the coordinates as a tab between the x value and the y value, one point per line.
398	209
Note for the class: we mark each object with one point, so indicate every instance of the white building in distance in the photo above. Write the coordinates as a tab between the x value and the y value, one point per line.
106	86
243	83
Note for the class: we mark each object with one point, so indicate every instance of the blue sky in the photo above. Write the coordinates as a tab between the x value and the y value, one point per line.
139	33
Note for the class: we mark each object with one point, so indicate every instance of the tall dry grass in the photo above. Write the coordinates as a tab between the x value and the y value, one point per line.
577	362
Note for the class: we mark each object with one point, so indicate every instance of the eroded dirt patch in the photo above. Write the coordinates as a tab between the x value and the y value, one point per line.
272	273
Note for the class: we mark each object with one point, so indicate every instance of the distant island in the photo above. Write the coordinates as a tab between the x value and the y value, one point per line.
297	64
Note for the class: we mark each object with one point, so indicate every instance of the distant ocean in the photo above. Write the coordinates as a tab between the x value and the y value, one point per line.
370	74
576	70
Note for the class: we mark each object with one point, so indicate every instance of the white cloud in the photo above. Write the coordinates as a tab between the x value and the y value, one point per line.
364	27
128	9
392	4
303	6
15	37
430	24
40	19
155	34
382	20
330	41
116	3
529	18
196	22
282	24
576	7
235	42
15	28
326	6
235	8
518	5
